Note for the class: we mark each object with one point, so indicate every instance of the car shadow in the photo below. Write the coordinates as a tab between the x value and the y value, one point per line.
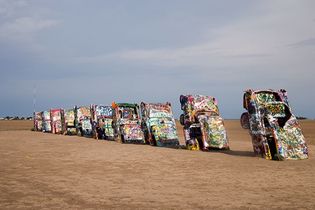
238	153
225	151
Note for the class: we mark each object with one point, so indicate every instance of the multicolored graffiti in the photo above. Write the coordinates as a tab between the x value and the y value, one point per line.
84	118
275	131
131	131
46	121
103	120
127	123
38	121
70	121
104	111
213	130
159	124
203	127
57	121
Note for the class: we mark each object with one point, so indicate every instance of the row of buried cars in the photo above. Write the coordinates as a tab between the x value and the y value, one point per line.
275	132
149	123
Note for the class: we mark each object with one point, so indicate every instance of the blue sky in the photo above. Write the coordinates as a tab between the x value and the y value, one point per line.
77	52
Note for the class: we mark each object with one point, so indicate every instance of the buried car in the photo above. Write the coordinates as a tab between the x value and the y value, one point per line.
46	121
203	127
158	124
38	121
57	121
103	120
274	130
84	121
70	122
127	123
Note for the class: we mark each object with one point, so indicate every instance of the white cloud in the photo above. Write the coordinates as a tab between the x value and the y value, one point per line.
21	21
24	27
304	43
9	8
260	39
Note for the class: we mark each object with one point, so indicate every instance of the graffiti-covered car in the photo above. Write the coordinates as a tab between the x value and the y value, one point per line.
274	130
38	121
103	120
203	127
46	127
70	122
57	121
158	124
127	123
84	121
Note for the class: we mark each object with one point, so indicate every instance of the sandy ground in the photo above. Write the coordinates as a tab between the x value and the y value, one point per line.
46	171
6	125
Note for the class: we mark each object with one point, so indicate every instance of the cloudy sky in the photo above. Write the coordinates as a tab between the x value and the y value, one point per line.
77	52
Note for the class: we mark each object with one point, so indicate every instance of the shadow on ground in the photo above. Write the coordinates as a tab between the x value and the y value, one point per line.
238	153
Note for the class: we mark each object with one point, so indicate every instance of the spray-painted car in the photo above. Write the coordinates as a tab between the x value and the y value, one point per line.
203	127
70	122
38	121
103	120
46	121
57	121
127	123
84	119
275	131
158	124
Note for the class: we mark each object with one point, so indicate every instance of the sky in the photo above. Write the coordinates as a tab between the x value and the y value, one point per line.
78	52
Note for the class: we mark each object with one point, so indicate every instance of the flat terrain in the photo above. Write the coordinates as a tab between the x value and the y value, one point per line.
41	170
7	125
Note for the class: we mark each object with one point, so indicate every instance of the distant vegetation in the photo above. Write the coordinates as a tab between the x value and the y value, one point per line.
301	118
15	118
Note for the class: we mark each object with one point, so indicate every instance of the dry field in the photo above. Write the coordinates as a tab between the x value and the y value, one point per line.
16	125
46	171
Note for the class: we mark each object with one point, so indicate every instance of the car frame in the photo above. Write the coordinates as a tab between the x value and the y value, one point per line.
274	129
203	126
159	125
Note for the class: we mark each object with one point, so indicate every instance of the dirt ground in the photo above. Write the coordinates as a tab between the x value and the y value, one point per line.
7	125
46	171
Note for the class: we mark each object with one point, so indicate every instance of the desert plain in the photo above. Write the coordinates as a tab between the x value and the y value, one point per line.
47	171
